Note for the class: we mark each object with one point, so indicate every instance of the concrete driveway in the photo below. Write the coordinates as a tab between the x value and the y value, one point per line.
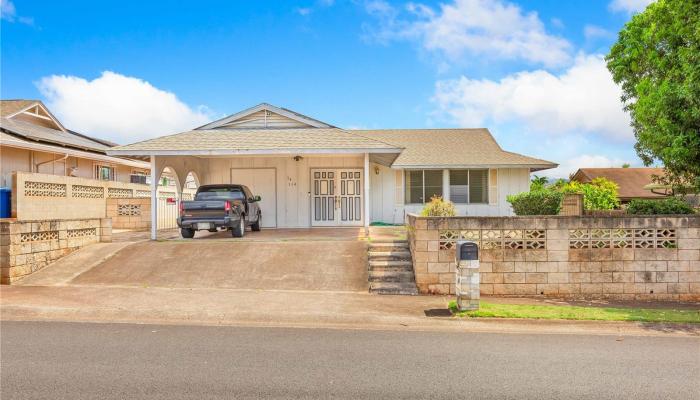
311	259
295	265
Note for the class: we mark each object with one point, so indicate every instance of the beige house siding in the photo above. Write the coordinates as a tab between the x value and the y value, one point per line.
12	159
386	193
293	180
15	159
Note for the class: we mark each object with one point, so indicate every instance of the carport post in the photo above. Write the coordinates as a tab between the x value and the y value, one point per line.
367	190
154	199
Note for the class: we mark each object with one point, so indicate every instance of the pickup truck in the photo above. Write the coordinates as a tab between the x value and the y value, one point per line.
231	207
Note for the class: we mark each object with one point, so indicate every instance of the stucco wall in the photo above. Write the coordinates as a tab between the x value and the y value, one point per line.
13	159
621	257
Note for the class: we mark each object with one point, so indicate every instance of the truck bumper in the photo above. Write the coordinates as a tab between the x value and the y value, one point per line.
206	224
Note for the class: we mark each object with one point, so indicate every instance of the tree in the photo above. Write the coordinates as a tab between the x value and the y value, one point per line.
538	183
626	165
656	60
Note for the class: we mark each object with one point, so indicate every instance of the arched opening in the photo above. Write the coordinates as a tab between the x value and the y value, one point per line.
190	186
168	197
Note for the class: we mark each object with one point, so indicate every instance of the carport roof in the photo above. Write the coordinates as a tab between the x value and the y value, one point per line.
257	141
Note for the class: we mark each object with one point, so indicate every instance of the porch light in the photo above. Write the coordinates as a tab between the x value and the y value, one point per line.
297	158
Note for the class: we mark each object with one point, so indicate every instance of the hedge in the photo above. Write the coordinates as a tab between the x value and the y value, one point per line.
539	202
671	205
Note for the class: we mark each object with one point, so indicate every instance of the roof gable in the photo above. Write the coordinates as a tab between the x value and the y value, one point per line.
32	111
265	116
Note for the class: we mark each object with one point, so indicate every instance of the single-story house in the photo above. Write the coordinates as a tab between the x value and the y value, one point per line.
32	139
310	173
631	181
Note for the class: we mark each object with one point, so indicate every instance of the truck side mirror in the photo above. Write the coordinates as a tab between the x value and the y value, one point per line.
257	198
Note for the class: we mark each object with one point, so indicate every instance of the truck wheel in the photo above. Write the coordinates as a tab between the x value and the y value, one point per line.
187	233
256	226
239	230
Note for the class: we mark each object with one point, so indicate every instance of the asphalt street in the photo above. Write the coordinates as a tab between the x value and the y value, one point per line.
117	361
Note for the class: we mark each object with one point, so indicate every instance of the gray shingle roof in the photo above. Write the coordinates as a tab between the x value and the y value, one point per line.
203	141
451	148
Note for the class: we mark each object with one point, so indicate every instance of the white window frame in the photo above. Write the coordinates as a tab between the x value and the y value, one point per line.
96	172
469	181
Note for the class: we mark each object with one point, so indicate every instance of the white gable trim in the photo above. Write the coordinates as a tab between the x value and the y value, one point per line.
38	104
266	107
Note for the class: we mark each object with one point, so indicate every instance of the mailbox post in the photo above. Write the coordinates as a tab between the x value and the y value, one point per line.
467	271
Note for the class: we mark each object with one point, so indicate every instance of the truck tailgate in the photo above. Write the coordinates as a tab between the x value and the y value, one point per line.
203	209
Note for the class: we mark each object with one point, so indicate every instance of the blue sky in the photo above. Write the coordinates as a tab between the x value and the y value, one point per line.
530	71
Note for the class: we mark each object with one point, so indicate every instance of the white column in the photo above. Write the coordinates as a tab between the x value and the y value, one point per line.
367	190
446	184
154	199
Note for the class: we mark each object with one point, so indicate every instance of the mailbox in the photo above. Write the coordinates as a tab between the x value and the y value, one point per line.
467	279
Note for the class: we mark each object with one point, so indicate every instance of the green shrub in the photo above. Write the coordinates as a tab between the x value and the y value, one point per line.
439	208
600	194
538	202
671	205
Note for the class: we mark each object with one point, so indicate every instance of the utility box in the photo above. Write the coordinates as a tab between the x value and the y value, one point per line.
467	271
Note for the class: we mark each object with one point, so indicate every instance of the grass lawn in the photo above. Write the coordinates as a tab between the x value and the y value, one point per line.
490	310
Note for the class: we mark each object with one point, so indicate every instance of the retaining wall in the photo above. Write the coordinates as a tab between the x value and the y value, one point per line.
28	246
616	257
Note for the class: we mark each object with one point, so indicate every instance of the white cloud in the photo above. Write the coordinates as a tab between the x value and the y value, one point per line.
629	6
569	166
581	98
119	108
492	29
304	11
8	12
592	32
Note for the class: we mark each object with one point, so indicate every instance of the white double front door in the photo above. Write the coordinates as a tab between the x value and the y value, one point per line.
337	197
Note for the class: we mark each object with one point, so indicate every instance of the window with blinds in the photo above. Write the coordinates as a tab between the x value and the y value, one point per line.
469	186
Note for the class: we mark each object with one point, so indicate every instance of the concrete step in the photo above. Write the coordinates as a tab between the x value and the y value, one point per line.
400	268
400	288
391	276
390	263
394	254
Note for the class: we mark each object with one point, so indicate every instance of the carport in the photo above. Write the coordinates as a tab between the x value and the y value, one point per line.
308	173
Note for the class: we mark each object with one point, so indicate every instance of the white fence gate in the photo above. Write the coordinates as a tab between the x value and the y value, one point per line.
167	212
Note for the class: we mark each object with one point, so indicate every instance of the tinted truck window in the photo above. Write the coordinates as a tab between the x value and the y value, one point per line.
220	194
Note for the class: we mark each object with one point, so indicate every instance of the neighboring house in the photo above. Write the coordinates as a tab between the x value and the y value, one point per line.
310	173
631	181
33	140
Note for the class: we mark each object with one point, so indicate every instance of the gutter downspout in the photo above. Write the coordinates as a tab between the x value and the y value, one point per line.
36	166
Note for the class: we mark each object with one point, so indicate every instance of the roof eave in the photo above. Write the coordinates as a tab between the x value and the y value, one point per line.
532	167
262	152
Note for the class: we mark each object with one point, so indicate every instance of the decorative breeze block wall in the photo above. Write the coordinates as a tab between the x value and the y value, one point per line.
28	246
618	257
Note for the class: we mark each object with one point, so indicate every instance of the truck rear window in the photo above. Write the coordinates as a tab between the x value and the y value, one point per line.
220	194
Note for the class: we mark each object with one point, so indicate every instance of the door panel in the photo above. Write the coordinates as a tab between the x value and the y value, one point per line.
336	197
262	182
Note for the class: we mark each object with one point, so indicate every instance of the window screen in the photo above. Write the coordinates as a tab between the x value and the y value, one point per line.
414	187
459	186
478	186
432	181
422	185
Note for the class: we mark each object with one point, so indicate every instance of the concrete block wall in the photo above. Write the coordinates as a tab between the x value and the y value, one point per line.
129	213
28	246
615	257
